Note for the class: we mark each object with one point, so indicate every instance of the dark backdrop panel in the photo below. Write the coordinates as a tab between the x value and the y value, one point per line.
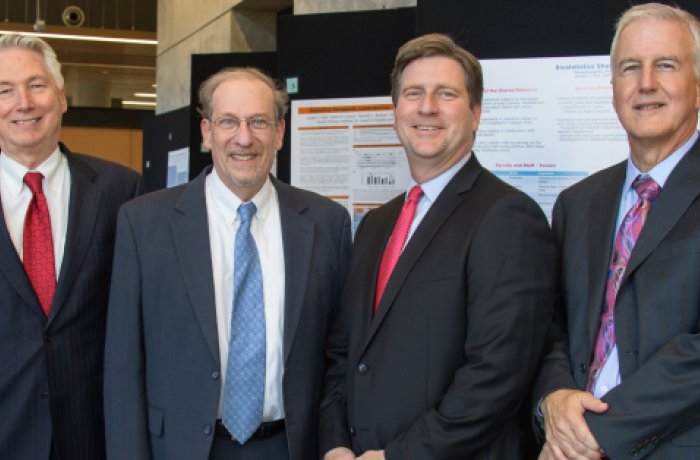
339	55
203	66
517	29
161	134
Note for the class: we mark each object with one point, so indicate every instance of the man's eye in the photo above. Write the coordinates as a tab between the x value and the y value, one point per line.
258	123
228	122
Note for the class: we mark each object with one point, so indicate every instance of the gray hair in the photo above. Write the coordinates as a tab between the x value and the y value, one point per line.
206	89
39	46
664	13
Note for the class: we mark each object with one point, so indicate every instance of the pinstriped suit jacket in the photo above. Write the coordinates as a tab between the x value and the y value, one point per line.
655	411
51	368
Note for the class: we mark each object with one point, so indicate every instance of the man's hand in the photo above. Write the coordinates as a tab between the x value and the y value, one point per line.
567	433
372	455
339	453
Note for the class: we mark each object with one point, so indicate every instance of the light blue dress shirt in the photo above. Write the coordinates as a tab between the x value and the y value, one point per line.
431	191
609	376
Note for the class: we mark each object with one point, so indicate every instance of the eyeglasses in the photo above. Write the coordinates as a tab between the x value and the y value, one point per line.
232	124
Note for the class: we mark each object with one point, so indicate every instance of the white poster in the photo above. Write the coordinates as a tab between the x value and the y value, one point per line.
347	150
178	167
546	123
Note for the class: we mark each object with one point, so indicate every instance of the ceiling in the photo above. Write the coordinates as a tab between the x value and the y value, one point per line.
97	74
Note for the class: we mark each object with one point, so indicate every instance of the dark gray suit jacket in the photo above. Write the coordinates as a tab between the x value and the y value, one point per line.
162	365
51	368
655	411
442	369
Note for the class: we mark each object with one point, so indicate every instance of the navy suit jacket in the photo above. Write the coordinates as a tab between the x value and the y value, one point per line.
442	369
51	368
655	411
162	365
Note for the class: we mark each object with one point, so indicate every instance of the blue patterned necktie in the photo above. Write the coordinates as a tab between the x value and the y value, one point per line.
245	375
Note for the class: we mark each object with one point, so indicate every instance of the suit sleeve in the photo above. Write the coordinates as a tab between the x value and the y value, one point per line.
510	283
555	370
124	381
659	401
333	429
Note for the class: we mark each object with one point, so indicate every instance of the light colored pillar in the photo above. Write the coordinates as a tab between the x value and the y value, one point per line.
337	6
187	27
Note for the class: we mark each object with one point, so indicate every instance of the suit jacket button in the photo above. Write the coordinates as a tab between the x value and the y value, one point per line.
362	368
207	429
352	431
44	395
215	375
583	367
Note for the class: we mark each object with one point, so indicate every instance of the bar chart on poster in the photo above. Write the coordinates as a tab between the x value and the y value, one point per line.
546	123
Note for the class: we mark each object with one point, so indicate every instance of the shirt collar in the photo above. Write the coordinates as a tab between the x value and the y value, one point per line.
228	202
14	172
661	171
435	186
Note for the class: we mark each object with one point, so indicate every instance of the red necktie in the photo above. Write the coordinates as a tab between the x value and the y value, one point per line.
39	262
647	191
397	241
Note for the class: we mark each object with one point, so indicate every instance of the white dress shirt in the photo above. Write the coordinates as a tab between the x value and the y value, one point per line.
609	376
266	227
16	196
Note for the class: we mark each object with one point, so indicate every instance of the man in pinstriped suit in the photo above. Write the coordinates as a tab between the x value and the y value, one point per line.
51	357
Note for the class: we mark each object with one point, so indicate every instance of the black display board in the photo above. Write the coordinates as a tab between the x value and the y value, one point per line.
339	55
162	134
516	29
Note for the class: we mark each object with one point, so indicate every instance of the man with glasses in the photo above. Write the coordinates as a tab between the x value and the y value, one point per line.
224	290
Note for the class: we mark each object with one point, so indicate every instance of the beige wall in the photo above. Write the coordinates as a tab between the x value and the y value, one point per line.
186	27
123	146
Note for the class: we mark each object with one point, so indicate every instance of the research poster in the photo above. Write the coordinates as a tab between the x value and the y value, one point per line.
546	123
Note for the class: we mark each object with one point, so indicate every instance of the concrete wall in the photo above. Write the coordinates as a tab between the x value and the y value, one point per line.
186	27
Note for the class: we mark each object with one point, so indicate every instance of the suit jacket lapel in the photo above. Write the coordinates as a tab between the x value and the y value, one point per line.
679	192
602	218
85	198
13	270
452	196
297	240
190	228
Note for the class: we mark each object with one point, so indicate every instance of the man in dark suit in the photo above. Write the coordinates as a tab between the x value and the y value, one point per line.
622	377
59	213
173	315
436	362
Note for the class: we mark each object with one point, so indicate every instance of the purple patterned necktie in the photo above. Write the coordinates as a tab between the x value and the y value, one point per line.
647	191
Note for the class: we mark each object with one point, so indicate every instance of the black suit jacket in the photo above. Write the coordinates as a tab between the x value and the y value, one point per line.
51	368
162	365
655	411
442	369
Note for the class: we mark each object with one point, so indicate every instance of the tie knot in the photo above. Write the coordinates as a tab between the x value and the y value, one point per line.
246	211
646	188
33	181
415	194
